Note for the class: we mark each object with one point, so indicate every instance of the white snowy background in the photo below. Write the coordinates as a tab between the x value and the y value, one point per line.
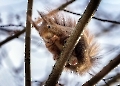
12	53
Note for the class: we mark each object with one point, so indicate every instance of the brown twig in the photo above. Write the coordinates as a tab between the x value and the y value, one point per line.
113	63
12	37
114	79
27	45
71	42
104	20
58	9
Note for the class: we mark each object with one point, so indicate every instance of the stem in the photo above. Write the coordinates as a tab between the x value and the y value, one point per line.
99	19
27	45
60	8
12	37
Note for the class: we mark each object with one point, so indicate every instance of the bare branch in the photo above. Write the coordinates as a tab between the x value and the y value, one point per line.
27	45
58	9
11	25
71	42
113	79
113	63
12	37
104	20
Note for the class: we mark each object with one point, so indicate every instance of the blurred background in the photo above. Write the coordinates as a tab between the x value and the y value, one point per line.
12	53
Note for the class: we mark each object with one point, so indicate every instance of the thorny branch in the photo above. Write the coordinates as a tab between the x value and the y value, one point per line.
104	20
71	42
113	63
27	45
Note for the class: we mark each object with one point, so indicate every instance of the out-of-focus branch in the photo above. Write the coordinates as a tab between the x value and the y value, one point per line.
113	63
61	7
11	25
113	80
103	20
12	37
27	45
71	43
58	9
2	27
